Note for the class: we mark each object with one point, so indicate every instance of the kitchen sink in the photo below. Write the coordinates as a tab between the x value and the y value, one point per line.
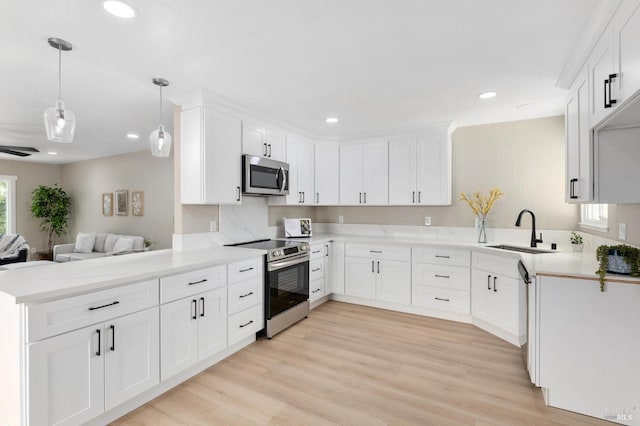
530	250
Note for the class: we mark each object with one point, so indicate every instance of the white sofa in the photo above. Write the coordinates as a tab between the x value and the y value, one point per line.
104	244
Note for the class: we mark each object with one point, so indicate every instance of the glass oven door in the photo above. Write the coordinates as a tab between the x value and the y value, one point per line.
287	284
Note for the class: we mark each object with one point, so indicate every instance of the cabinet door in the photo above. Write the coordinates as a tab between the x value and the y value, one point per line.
376	173
482	295
212	322
276	146
433	182
506	308
337	276
178	336
191	156
360	277
627	41
66	378
328	269
351	174
222	158
327	173
601	66
132	356
579	180
402	171
305	173
254	139
293	154
393	282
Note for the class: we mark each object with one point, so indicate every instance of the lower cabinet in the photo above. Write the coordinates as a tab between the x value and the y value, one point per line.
76	376
320	271
193	329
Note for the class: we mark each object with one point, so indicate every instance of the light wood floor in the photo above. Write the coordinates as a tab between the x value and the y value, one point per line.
354	365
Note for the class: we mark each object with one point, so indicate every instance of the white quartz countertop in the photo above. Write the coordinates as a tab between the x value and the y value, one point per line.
558	263
44	282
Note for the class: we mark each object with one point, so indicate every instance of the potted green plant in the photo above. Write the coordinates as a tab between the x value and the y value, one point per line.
618	259
577	243
53	205
147	245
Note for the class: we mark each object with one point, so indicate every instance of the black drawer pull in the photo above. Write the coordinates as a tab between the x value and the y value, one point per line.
375	251
246	270
99	342
242	296
194	309
314	252
198	282
316	290
244	325
443	300
93	308
441	276
113	337
202	304
441	256
315	270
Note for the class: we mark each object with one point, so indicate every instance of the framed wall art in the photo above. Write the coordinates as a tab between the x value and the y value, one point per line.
107	204
121	202
137	203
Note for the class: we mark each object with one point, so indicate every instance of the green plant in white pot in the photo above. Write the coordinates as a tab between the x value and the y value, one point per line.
577	243
53	205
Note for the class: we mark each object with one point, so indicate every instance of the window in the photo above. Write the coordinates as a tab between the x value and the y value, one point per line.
7	204
595	216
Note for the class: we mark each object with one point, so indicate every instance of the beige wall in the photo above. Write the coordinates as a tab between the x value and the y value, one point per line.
526	159
30	175
628	214
85	181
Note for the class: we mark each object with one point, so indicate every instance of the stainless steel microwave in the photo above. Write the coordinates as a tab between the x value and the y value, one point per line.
263	176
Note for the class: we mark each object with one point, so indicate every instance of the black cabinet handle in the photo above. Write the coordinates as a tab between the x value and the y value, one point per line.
326	250
202	304
413	197
375	251
242	296
315	251
572	189
93	308
99	342
419	193
113	337
315	270
443	300
316	290
246	270
317	198
269	150
488	282
244	325
608	102
365	198
304	198
238	189
194	309
372	267
442	257
378	266
494	283
198	282
265	149
361	198
441	276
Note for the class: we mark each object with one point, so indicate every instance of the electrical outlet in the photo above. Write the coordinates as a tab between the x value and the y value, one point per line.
213	226
33	250
427	220
340	219
622	231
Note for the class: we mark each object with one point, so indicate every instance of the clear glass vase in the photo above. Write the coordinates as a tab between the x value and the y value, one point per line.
482	230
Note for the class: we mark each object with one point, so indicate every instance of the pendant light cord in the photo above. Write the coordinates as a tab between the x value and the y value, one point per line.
161	105
59	72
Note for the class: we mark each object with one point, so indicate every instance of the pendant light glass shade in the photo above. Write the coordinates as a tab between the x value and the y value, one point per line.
160	140
59	123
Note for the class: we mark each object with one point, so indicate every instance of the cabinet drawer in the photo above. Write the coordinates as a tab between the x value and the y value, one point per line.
316	269
317	251
452	277
442	256
240	271
498	265
59	316
245	294
316	289
441	298
379	252
244	324
176	287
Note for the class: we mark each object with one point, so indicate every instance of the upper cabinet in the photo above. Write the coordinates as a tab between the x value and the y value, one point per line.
579	178
420	169
626	33
263	141
364	173
300	158
210	156
327	173
603	78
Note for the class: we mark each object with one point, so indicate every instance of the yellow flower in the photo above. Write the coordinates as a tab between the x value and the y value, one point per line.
481	205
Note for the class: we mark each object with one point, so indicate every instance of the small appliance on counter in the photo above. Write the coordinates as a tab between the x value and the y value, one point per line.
297	228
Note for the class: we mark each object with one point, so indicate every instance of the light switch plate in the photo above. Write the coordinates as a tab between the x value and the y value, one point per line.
622	231
213	226
340	219
427	220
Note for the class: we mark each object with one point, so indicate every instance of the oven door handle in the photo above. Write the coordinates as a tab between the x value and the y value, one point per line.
274	266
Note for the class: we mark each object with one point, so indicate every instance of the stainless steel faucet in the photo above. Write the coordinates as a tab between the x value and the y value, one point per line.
534	240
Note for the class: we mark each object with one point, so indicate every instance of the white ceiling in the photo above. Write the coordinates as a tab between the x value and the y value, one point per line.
375	64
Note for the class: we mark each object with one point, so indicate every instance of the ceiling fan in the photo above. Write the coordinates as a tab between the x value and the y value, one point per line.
17	150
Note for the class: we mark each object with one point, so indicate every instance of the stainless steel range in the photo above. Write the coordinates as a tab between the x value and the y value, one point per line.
286	283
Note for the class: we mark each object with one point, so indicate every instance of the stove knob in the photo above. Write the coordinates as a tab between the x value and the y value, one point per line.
305	246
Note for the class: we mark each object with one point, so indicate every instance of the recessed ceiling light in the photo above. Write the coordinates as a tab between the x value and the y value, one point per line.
525	107
133	136
119	9
52	153
487	95
332	120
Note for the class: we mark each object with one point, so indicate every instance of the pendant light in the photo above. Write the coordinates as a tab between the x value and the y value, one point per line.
60	123
160	140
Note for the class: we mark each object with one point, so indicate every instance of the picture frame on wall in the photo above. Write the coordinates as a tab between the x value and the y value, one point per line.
107	204
137	203
121	202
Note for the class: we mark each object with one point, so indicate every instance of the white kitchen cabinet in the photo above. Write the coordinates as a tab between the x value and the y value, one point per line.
360	278
327	173
276	144
579	156
210	156
335	284
319	271
393	281
420	169
603	78
301	164
76	376
262	140
193	329
626	30
364	173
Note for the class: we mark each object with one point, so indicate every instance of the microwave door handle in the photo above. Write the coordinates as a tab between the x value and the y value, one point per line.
284	179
